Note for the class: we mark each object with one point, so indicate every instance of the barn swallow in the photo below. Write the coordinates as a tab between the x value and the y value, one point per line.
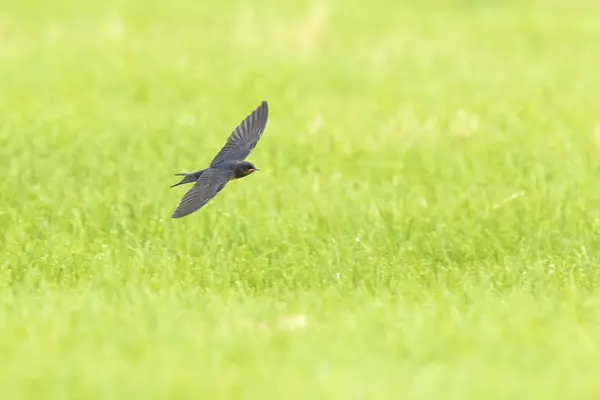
228	164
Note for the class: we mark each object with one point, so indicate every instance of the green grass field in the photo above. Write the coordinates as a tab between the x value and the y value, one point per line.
425	224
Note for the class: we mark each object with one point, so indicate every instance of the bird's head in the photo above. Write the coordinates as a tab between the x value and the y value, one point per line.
244	168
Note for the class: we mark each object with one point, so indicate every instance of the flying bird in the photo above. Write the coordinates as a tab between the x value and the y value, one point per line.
228	164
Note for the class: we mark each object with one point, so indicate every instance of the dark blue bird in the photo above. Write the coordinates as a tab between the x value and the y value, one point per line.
228	164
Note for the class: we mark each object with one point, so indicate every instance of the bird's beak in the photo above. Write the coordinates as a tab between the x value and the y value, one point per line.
253	170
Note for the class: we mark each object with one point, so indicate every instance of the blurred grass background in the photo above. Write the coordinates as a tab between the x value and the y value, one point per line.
424	225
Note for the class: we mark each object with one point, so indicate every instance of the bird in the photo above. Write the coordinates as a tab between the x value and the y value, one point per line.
229	164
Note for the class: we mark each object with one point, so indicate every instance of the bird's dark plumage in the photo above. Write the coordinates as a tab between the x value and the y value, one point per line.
189	178
228	164
243	139
211	182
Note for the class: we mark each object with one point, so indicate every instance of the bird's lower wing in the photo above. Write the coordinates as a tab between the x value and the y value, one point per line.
210	183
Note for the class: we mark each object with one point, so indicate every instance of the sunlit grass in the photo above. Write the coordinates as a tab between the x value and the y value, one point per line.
424	225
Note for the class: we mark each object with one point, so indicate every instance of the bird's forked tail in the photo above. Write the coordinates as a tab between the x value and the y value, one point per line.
187	178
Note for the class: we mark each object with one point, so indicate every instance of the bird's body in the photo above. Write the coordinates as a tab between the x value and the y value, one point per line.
227	165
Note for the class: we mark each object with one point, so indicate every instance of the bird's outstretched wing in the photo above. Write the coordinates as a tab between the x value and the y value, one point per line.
243	139
208	185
